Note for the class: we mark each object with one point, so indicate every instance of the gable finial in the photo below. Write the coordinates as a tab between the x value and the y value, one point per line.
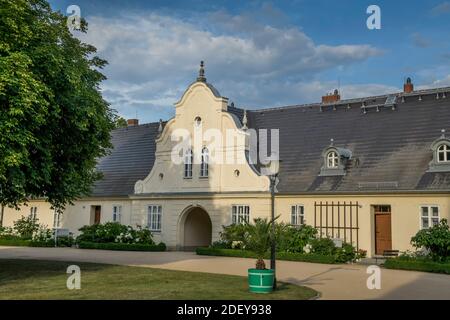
331	142
244	121
201	72
443	133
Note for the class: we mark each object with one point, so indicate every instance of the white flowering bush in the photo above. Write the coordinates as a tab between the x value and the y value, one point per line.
115	232
43	234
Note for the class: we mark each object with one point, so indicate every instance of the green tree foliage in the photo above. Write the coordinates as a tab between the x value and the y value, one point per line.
120	122
54	123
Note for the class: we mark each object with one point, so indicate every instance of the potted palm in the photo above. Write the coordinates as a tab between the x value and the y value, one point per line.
260	279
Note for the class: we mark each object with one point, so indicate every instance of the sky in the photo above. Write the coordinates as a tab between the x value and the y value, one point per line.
262	54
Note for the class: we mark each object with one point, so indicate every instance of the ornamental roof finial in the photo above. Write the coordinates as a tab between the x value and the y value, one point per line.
331	142
201	72
443	133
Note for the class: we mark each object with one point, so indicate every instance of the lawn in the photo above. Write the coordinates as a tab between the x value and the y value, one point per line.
35	279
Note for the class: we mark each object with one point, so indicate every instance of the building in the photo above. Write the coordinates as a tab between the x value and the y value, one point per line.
370	171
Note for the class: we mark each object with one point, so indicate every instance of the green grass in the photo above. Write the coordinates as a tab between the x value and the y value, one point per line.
418	265
289	256
35	279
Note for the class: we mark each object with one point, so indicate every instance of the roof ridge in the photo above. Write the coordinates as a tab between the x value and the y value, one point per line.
353	100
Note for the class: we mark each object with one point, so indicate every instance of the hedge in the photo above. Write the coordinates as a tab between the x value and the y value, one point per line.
289	256
25	243
122	246
418	265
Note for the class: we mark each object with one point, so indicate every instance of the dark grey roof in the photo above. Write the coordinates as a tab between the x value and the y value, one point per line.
130	160
390	148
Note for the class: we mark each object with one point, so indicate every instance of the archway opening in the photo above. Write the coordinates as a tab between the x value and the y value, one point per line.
197	229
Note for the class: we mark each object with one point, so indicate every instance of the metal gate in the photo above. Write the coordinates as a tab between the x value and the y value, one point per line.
337	220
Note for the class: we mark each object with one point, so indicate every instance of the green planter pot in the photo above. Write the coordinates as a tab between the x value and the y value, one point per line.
260	281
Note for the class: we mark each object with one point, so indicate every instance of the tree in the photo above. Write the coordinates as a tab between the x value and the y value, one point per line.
120	122
54	123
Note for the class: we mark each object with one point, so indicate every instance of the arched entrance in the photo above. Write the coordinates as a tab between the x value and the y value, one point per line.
195	229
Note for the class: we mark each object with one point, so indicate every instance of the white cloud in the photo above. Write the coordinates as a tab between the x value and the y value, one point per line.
152	58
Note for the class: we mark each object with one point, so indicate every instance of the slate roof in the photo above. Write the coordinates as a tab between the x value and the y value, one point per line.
390	148
130	160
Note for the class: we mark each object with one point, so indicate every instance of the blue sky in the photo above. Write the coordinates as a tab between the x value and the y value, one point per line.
260	53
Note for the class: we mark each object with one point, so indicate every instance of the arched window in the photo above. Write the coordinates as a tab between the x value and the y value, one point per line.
188	159
204	167
443	153
332	160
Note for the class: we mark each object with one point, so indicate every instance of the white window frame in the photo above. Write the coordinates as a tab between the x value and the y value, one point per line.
154	217
188	160
204	166
430	216
445	151
332	160
117	213
56	219
33	213
297	216
240	213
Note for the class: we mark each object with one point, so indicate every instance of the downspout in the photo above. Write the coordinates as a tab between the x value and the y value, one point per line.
1	215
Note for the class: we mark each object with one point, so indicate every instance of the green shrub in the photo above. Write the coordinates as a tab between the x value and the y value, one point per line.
417	264
346	253
288	256
111	232
234	233
435	239
122	246
323	246
294	239
25	227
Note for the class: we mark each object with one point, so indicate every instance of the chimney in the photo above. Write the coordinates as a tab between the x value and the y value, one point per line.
408	87
133	122
332	97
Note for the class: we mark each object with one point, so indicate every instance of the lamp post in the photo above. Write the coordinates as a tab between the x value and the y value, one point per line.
274	168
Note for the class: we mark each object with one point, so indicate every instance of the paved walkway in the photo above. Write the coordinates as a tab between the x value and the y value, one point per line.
332	281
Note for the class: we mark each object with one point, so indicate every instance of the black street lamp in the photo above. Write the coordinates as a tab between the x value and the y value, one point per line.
274	169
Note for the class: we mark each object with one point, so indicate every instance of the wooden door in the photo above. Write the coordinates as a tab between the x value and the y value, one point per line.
383	237
98	213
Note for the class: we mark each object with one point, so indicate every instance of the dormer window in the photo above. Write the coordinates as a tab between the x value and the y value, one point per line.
441	154
332	160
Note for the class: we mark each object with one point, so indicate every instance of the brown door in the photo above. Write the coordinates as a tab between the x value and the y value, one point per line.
383	238
98	213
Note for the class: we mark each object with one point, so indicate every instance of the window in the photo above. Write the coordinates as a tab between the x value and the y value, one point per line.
429	216
443	153
204	167
240	214
56	219
297	215
332	160
188	159
117	214
198	121
154	217
33	213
